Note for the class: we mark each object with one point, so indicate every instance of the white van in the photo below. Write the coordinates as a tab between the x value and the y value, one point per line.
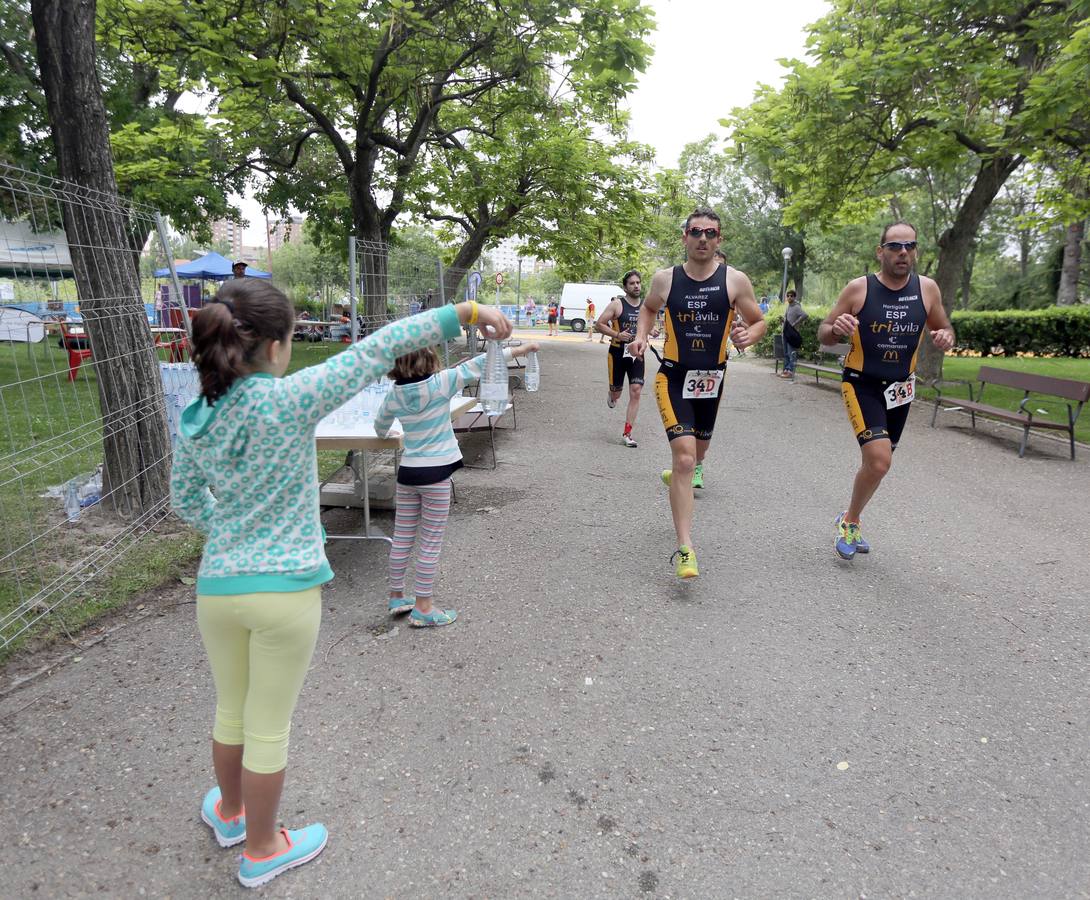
573	302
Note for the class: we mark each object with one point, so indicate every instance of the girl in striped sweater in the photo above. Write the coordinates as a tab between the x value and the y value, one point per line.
420	399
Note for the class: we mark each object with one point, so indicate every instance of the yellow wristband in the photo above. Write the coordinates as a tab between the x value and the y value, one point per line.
473	313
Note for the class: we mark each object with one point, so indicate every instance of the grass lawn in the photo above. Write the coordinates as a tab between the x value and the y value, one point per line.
51	432
965	368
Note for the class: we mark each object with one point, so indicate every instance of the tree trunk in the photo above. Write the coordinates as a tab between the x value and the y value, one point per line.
468	254
967	277
1068	292
956	243
136	444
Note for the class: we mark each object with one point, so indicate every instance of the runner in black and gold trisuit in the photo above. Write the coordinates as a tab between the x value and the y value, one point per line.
618	321
884	315
700	299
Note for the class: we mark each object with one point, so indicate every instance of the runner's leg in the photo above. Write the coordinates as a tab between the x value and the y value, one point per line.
877	457
683	460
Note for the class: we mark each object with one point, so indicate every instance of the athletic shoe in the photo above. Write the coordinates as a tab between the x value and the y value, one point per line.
610	402
686	563
628	440
847	534
435	618
667	474
303	846
228	832
698	475
400	605
861	546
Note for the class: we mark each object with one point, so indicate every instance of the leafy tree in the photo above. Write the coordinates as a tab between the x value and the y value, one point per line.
923	87
338	103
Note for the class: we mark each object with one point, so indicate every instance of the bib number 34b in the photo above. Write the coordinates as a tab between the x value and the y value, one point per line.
701	384
900	392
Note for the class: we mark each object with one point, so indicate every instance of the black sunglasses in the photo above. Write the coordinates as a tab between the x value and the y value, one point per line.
709	233
900	245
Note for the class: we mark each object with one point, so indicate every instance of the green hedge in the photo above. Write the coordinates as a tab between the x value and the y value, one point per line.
1054	331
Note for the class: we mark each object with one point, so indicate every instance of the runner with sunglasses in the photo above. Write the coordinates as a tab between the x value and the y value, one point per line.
883	316
618	321
700	299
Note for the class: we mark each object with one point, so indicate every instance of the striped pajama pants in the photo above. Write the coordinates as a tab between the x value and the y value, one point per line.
423	509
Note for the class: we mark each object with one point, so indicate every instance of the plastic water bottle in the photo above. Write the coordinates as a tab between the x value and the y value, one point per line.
493	392
533	372
71	500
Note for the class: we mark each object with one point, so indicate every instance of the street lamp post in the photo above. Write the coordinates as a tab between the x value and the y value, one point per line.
787	253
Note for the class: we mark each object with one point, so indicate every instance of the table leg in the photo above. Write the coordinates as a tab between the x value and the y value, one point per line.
360	480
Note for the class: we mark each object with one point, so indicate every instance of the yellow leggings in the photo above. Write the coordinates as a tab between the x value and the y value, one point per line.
259	647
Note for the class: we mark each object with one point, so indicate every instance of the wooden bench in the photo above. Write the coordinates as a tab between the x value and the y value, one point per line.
820	363
1074	392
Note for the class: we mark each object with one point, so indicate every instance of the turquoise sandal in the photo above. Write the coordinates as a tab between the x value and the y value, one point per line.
434	618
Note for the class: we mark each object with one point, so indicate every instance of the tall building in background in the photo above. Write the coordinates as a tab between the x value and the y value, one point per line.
231	232
505	257
285	231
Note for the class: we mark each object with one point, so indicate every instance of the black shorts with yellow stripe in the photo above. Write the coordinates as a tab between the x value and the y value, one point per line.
621	367
681	416
866	405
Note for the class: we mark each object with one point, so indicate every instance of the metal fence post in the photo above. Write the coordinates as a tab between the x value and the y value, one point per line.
352	286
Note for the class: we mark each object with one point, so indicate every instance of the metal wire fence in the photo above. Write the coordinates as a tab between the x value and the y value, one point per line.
84	443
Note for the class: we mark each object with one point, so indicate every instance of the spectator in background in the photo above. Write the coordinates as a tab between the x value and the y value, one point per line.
591	310
531	312
554	314
764	303
238	269
793	316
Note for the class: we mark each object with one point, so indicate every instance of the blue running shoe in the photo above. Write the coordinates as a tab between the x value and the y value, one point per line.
228	832
844	545
400	605
303	846
861	546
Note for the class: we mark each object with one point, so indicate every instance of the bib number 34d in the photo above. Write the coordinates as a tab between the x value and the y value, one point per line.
701	384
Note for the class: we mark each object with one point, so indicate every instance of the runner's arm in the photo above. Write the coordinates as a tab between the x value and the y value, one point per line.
942	332
841	322
602	325
745	303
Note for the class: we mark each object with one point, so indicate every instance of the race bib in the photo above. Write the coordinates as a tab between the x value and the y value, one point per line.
900	392
701	384
628	351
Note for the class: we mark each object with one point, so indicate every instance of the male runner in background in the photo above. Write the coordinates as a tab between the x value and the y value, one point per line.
700	299
618	322
883	316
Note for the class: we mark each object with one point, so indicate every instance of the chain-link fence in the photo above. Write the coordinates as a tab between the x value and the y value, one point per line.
84	444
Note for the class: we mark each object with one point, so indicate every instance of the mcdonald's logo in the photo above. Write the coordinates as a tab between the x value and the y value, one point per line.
891	356
698	344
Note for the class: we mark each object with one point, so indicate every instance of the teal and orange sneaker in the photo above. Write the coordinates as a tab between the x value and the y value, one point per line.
228	832
861	546
303	846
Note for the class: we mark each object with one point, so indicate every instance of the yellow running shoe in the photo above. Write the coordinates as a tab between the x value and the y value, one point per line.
686	563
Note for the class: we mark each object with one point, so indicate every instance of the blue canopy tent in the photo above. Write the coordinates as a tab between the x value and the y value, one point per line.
210	267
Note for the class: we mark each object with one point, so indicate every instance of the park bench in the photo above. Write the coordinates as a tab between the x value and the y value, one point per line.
827	361
1074	392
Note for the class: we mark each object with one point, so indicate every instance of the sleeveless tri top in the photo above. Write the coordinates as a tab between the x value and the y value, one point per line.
626	321
698	321
891	322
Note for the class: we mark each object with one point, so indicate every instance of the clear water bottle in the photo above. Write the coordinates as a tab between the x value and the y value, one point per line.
533	372
71	500
493	393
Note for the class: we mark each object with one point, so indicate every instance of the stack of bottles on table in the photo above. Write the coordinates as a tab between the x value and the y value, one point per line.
363	406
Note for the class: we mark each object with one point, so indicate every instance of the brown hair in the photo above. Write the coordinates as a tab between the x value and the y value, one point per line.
415	364
702	212
232	327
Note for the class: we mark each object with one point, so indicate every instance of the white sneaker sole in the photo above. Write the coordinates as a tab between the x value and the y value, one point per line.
220	839
259	880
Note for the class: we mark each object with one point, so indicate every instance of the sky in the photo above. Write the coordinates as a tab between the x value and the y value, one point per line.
709	57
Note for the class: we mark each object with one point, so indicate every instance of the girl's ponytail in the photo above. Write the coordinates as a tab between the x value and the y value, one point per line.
230	330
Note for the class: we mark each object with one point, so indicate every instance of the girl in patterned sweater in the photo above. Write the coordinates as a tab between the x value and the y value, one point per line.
420	399
245	473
